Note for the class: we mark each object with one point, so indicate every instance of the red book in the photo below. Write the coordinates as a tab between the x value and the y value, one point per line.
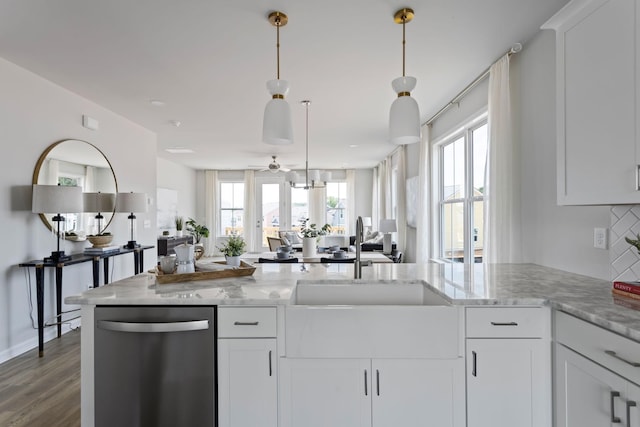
631	295
631	287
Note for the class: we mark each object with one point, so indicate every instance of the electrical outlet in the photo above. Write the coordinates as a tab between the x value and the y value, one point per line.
600	238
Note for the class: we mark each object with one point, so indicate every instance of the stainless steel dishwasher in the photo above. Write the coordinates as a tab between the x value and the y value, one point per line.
155	366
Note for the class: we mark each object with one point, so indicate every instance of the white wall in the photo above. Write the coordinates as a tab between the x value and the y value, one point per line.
35	113
554	236
177	177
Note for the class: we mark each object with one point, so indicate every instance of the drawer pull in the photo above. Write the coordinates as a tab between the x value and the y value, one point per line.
270	365
628	362
638	178
504	324
378	382
614	394
474	370
630	404
366	392
246	323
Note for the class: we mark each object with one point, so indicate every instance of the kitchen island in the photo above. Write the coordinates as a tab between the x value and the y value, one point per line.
464	286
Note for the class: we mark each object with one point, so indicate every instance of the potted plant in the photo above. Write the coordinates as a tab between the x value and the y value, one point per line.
198	232
232	249
310	236
179	224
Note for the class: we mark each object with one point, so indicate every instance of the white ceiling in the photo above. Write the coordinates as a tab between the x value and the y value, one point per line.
209	61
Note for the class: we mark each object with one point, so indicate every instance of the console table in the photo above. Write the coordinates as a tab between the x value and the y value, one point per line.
40	265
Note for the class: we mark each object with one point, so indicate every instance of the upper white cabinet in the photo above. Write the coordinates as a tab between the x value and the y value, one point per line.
597	94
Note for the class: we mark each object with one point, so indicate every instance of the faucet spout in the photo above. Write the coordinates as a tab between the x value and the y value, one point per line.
357	270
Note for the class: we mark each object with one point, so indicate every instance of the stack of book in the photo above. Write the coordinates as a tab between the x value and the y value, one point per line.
101	250
627	294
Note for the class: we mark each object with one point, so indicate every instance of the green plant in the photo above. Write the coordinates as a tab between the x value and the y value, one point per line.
196	230
234	246
179	223
635	243
311	230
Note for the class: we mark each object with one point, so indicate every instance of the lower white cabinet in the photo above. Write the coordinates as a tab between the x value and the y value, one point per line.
247	382
507	383
372	392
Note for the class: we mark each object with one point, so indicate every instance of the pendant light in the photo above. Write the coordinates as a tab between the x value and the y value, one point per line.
404	117
276	126
312	178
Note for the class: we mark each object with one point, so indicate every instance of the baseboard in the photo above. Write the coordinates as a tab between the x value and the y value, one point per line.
49	334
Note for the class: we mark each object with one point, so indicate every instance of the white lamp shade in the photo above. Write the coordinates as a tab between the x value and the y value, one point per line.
325	176
314	175
131	202
99	202
276	126
366	221
404	117
291	176
388	225
56	199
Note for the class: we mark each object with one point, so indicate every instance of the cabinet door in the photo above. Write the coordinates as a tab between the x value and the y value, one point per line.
632	403
508	383
418	392
326	392
586	393
247	383
596	111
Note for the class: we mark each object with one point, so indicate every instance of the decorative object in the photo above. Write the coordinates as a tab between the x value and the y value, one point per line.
97	176
132	203
309	247
179	223
635	243
312	178
204	273
232	249
404	117
56	199
98	203
276	126
366	224
185	258
100	240
310	235
168	264
198	232
387	226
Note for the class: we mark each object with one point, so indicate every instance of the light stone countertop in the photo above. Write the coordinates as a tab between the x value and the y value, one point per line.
478	284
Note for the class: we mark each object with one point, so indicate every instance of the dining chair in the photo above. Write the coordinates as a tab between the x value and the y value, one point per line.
274	243
326	260
276	260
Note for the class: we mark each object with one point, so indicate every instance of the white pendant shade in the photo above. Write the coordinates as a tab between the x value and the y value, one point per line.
404	117
56	199
291	176
131	202
325	176
276	126
314	175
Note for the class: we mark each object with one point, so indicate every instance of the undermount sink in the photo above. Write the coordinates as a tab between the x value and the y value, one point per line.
351	292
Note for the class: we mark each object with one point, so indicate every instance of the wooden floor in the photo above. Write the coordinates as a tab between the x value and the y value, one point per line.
43	391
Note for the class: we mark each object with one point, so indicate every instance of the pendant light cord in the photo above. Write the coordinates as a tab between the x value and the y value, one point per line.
404	21
278	46
306	163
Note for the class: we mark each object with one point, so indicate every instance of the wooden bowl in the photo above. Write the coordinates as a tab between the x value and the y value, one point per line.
100	241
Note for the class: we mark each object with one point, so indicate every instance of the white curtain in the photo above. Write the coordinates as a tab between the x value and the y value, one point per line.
351	203
423	210
212	210
249	219
501	207
89	179
375	199
401	191
52	172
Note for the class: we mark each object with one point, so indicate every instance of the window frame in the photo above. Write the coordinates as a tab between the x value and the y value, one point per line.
233	209
342	211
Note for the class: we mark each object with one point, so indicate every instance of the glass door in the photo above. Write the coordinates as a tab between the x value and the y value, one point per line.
270	199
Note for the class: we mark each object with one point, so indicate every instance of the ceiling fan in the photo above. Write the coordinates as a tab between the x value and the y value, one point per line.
274	166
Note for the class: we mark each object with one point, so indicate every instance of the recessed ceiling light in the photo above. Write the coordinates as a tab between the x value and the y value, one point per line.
353	145
157	103
175	123
179	150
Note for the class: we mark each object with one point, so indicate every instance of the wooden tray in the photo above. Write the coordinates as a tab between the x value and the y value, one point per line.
245	269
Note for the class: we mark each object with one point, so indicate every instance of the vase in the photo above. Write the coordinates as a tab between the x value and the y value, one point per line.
233	260
178	233
308	247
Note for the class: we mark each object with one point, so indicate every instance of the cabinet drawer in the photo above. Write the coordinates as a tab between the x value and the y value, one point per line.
613	351
246	322
507	322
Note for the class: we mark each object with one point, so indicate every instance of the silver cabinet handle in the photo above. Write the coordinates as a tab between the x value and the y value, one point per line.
504	324
628	362
366	390
630	404
270	367
377	382
638	178
246	323
193	325
614	394
474	365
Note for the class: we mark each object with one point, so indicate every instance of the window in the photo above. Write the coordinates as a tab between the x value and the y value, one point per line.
460	167
299	207
336	206
231	208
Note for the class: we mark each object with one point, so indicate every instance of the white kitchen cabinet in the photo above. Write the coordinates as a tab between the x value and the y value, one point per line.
598	152
373	392
247	367
508	367
595	371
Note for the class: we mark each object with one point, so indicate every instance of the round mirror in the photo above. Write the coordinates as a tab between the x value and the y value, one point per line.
77	163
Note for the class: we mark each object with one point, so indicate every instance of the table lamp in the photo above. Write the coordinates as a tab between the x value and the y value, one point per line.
98	203
132	203
387	226
54	199
366	224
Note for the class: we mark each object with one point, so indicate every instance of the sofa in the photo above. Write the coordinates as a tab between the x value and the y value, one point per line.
372	242
291	238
